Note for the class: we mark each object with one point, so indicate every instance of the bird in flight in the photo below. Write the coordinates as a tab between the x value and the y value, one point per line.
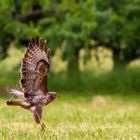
34	74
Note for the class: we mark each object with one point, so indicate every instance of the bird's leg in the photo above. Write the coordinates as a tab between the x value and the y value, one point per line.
16	92
38	120
37	112
23	104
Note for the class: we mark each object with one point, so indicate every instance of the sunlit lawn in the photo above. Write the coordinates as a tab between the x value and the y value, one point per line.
75	117
101	113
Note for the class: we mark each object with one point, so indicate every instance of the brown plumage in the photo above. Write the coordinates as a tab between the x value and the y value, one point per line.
34	73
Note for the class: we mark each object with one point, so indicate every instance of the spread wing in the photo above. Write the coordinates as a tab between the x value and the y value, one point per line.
35	68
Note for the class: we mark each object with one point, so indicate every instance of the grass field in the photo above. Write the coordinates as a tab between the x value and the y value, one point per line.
95	106
72	117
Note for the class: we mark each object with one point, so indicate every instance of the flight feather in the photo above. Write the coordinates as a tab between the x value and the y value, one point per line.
35	67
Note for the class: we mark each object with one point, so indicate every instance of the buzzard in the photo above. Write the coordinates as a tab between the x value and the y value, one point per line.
34	73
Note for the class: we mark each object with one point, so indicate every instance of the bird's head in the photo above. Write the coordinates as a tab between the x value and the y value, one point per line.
51	96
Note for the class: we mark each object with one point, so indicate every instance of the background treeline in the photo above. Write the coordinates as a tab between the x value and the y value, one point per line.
74	25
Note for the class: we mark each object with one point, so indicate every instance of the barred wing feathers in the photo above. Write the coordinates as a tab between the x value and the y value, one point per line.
35	68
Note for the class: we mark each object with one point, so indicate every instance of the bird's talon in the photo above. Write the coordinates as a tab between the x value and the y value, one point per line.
8	102
43	126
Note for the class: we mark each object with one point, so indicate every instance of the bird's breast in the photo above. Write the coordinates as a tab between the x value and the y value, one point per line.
38	100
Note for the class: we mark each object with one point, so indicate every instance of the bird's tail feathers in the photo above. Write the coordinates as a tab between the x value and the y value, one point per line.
16	92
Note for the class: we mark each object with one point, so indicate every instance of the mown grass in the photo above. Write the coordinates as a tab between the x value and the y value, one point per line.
75	117
91	106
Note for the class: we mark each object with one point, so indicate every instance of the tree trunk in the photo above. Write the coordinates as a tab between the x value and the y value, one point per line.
118	59
73	63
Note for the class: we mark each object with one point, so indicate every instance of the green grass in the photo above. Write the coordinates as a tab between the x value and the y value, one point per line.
74	116
93	106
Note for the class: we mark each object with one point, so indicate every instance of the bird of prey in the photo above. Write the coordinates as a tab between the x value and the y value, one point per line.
34	73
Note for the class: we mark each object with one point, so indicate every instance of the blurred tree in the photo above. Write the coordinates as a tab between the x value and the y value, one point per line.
118	26
74	25
63	22
72	28
13	29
